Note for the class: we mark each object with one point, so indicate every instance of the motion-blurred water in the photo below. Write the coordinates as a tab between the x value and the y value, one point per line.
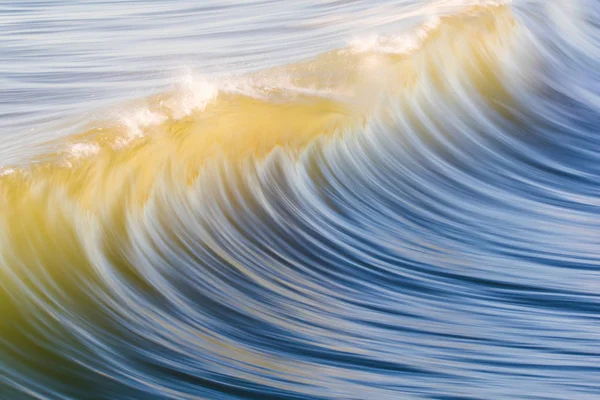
300	199
62	62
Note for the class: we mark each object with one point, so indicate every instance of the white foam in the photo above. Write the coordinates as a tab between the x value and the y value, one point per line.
6	171
80	150
413	40
193	93
136	122
398	44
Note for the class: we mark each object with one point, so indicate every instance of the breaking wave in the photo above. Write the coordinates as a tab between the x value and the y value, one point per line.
413	216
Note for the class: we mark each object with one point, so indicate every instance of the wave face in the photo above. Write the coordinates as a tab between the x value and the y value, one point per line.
415	215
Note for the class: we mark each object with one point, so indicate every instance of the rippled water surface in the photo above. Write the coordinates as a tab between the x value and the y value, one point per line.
315	199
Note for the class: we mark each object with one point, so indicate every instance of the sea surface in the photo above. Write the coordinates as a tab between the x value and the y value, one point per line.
299	199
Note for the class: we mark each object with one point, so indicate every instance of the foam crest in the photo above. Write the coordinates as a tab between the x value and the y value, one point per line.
192	93
6	171
399	44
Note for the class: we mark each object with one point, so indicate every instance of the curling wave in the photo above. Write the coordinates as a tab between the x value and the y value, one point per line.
412	216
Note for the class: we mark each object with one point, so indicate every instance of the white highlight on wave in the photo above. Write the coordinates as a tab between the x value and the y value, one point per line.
413	39
81	150
193	93
399	44
136	122
6	171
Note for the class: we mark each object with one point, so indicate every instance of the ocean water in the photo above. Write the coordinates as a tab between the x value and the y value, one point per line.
317	199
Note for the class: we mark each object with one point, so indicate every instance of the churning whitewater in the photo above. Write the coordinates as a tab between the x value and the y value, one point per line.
416	215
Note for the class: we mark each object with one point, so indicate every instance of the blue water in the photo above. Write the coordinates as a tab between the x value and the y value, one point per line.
413	211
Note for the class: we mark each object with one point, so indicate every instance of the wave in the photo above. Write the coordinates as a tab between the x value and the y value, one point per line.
412	214
287	107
